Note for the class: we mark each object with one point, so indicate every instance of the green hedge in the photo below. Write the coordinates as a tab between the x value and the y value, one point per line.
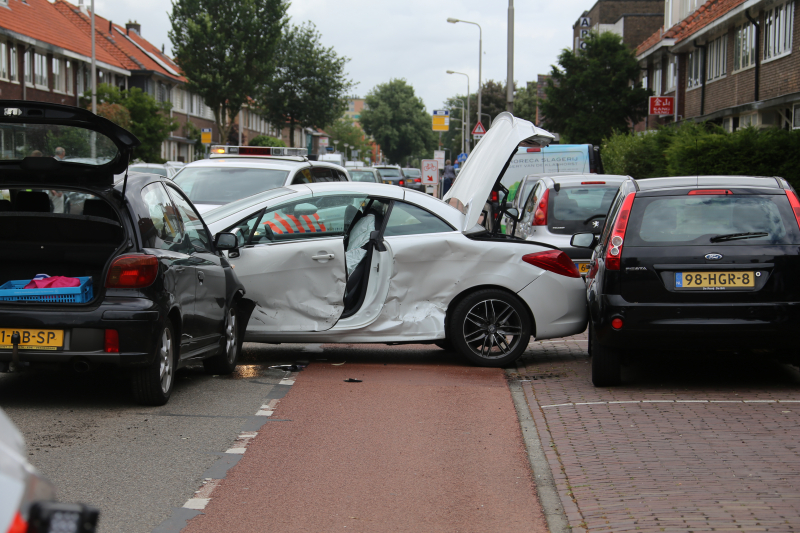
704	149
266	140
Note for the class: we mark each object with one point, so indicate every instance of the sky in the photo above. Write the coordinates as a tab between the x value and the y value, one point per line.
411	39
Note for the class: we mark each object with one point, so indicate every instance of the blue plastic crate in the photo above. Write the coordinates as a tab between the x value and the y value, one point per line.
13	291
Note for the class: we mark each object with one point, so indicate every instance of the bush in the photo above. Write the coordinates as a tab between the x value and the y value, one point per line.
266	140
704	149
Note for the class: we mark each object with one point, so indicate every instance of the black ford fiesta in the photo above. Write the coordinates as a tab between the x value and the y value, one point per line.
100	267
705	262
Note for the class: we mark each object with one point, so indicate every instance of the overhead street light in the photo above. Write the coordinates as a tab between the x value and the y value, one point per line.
452	20
468	130
463	135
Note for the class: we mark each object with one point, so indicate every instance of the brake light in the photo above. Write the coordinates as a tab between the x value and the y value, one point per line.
703	192
540	215
534	150
132	272
795	203
617	323
402	183
494	197
593	183
417	180
614	251
111	344
554	261
18	525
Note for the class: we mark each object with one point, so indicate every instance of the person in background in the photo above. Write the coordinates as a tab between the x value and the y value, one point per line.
61	154
448	177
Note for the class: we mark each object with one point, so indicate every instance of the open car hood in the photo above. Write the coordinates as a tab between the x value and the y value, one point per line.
95	148
487	163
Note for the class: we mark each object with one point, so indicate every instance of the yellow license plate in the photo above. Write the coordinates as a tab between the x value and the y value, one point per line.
714	280
583	268
32	339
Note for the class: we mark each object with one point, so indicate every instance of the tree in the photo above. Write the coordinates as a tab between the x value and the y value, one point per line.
345	132
266	140
525	102
146	118
396	118
226	50
592	94
309	86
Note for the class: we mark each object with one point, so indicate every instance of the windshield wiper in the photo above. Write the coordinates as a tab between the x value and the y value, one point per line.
739	236
592	218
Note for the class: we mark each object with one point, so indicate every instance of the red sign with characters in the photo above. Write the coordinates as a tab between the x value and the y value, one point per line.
662	105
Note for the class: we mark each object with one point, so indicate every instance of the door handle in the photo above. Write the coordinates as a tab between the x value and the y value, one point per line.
322	257
180	269
201	277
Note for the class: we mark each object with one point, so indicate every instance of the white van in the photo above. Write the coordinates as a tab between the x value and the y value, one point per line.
332	158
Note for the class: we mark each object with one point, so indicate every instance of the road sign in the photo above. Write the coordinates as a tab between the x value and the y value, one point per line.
462	157
323	141
662	105
439	156
205	136
441	120
478	129
430	171
478	137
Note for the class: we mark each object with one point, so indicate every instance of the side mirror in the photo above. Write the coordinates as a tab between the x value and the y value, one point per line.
225	241
509	205
305	209
583	240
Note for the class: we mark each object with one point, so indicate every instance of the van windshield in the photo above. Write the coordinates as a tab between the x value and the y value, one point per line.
743	220
68	144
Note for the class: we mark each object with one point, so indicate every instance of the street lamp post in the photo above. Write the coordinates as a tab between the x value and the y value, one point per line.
490	119
510	67
462	122
452	20
346	146
468	130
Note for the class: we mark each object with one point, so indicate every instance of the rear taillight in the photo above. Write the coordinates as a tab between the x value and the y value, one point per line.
593	183
18	524
402	183
795	205
417	180
111	344
540	215
554	261
132	272
530	150
614	250
494	197
703	192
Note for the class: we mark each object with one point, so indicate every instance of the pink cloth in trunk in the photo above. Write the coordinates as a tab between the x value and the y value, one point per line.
53	282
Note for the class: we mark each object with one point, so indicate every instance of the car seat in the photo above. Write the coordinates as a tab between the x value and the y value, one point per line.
99	208
32	202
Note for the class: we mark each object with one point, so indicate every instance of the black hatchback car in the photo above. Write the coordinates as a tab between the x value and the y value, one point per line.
706	262
154	292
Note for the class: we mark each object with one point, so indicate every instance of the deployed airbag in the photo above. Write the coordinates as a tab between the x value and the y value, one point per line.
359	236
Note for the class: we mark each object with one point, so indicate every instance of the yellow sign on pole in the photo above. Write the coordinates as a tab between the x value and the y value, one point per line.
441	120
205	136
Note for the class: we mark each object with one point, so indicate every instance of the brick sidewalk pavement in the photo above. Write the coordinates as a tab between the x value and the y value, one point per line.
680	446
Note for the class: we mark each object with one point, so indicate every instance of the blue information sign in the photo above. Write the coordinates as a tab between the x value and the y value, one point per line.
461	157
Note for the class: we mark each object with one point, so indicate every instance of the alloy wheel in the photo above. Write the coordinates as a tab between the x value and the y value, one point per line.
492	329
166	361
230	336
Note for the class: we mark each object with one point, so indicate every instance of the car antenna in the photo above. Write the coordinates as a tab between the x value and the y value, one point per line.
125	180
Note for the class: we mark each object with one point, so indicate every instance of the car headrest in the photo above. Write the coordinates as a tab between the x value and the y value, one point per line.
5	205
99	208
32	201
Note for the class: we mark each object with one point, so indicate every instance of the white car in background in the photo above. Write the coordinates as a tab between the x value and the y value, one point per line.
235	172
374	263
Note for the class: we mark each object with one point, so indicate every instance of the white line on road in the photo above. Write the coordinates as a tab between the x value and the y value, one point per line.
197	503
573	404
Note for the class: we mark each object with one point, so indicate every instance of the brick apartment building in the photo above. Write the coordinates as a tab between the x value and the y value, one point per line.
633	20
45	55
728	61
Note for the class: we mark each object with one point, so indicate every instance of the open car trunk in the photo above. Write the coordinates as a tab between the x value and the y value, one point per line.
76	243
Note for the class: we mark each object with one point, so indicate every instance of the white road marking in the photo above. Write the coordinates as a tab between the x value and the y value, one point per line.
197	503
238	451
264	413
287	381
572	404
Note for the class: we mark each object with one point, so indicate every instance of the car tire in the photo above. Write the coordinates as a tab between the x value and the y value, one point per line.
445	345
490	327
606	362
153	385
226	360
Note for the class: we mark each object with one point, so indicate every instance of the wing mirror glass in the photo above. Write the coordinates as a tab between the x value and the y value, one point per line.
583	240
305	209
225	241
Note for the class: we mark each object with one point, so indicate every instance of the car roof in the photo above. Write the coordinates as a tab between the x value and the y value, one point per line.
261	162
672	182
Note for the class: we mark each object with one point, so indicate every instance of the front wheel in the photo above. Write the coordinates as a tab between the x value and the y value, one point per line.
226	360
153	385
490	327
606	362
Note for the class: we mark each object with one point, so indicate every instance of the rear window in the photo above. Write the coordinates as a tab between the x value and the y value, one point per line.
161	171
390	172
579	208
362	175
221	185
412	172
67	144
703	220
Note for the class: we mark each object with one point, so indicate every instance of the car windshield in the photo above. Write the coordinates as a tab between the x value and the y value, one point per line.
161	171
68	144
221	185
412	172
698	220
362	175
390	172
579	208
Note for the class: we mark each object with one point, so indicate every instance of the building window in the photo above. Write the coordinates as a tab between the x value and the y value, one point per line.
657	82
694	76
59	75
644	80
717	58
3	61
69	75
13	63
748	120
778	26
672	73
744	47
29	67
40	74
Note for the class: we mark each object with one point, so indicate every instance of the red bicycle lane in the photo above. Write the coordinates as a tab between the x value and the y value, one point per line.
411	447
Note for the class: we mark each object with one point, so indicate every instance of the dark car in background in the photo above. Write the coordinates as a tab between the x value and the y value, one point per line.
391	174
704	263
154	290
414	179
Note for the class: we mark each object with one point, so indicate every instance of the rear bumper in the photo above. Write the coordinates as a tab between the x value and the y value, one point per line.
704	326
558	305
137	321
